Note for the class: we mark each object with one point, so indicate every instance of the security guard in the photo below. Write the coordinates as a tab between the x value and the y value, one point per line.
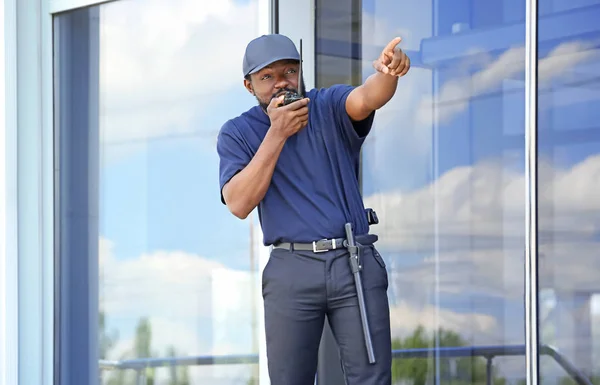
298	163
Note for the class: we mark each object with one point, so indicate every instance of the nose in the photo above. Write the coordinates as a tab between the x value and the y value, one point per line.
282	83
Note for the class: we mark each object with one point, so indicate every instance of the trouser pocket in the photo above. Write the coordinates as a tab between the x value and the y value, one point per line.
375	273
378	257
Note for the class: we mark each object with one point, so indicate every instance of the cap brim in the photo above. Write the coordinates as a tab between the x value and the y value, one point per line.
270	61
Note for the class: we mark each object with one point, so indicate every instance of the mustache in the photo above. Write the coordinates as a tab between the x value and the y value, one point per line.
283	91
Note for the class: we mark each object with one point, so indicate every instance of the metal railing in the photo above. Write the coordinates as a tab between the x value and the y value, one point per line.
487	352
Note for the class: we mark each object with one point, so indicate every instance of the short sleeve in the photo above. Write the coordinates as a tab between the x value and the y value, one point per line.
354	132
232	155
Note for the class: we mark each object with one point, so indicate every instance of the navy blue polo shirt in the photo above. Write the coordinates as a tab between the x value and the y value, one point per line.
314	190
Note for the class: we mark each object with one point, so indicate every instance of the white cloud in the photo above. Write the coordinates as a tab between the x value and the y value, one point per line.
378	28
195	305
564	57
487	201
404	128
182	295
161	62
461	239
459	199
466	232
455	94
378	32
406	318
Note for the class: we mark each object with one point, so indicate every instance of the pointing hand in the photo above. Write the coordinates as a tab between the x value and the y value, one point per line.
392	61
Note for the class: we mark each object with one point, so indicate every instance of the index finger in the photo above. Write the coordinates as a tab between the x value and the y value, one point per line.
392	44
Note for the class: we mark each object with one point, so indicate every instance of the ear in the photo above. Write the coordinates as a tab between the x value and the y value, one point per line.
248	85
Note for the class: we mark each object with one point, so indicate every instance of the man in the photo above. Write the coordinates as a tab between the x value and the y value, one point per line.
299	164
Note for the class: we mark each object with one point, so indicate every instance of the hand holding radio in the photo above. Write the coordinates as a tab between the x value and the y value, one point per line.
286	120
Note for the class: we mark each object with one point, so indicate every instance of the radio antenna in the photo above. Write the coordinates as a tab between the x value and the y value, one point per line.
300	88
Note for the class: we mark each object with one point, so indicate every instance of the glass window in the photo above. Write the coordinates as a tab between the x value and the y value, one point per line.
338	26
157	281
568	187
444	169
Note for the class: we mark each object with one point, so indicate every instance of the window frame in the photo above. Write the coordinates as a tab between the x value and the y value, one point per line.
29	220
57	6
9	287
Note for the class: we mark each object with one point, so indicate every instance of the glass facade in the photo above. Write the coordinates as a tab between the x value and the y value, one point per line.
445	169
151	264
157	283
569	186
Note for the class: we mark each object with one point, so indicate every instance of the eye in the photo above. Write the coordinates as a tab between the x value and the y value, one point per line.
291	71
265	77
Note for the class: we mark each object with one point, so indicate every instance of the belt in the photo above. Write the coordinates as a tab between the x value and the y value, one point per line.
324	245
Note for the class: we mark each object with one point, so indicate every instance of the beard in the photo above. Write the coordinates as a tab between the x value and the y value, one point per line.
265	103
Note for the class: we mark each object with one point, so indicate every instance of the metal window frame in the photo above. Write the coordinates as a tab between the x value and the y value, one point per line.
9	268
296	19
531	214
29	257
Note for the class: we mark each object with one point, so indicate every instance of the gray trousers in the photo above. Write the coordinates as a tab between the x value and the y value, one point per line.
301	288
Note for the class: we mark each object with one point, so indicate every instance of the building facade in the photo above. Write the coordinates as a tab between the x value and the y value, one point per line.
119	265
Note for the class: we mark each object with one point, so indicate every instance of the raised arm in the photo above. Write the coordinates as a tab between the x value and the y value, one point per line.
379	88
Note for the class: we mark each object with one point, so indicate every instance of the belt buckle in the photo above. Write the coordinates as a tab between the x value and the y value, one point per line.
314	244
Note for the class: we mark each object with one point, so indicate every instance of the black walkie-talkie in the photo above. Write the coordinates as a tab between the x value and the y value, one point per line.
291	97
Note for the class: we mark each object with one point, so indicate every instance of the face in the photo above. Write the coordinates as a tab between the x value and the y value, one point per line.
273	81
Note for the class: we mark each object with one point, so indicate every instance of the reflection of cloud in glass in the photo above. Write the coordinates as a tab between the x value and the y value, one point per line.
478	226
455	94
409	19
407	317
192	301
403	132
378	32
197	306
162	66
460	239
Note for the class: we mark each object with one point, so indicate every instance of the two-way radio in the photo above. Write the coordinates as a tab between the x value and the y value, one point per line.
291	97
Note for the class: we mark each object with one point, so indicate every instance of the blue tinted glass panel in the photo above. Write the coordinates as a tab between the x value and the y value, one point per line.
158	281
444	169
568	186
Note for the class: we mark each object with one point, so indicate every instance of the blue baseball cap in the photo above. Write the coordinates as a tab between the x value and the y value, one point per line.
268	49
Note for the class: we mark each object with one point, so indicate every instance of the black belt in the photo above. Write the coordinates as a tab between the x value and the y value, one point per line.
324	245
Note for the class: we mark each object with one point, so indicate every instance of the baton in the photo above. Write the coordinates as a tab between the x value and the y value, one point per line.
355	266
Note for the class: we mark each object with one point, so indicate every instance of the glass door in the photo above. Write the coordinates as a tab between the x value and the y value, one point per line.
156	281
444	168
